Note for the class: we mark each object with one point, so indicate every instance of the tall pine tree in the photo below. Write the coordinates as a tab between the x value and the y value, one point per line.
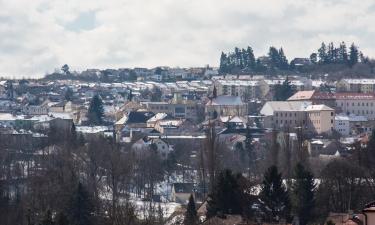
225	196
191	217
274	198
303	189
353	55
96	111
81	207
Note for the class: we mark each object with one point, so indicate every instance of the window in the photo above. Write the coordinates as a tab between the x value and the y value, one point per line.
277	114
331	113
331	121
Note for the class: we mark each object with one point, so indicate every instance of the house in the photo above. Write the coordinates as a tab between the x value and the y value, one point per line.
145	143
225	106
181	192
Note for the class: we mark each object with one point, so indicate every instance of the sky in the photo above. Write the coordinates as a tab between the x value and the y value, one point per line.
38	36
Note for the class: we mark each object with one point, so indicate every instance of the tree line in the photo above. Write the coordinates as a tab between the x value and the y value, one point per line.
244	61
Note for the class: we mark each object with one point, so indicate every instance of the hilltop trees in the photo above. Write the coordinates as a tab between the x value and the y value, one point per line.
96	111
244	61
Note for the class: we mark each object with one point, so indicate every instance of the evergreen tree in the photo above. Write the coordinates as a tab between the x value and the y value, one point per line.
353	55
322	52
273	54
68	94
283	61
331	55
191	217
274	198
225	196
303	190
223	63
81	207
96	111
343	53
314	58
250	58
283	91
65	69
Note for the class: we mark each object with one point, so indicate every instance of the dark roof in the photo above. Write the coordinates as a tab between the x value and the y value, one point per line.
139	117
60	104
183	187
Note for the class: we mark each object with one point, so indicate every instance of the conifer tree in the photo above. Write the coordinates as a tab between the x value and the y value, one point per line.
353	55
322	52
191	217
81	207
96	111
251	58
303	190
274	198
225	196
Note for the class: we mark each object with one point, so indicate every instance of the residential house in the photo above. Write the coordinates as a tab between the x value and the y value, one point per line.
181	192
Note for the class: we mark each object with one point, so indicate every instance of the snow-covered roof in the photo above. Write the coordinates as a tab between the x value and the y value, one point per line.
318	108
226	100
270	107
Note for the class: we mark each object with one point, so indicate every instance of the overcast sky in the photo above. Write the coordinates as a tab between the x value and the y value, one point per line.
37	36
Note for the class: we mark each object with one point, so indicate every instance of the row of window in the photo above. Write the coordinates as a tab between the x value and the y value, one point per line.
358	104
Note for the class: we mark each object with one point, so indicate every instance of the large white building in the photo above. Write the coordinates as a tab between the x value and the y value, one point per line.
246	89
356	85
360	104
290	115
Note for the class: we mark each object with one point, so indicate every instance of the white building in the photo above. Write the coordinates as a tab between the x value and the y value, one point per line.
360	104
284	115
342	125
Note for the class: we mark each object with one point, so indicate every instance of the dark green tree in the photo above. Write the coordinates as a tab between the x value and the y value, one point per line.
68	95
314	58
343	53
353	55
81	207
96	111
65	69
303	191
225	196
274	198
250	58
223	63
191	217
284	91
322	52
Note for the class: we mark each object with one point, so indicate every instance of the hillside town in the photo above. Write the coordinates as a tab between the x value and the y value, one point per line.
175	129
